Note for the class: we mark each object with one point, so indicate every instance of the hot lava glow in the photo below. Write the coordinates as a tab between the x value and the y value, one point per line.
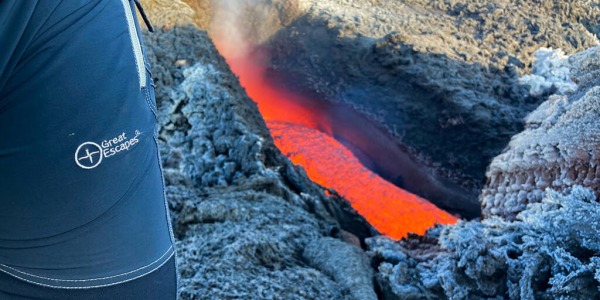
303	133
393	211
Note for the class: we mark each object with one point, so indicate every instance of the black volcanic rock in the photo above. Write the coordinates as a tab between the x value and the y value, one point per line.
538	239
442	76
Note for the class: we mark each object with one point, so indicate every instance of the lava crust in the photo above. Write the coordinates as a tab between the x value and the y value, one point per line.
559	148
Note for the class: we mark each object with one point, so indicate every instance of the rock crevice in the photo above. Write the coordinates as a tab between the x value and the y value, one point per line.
242	213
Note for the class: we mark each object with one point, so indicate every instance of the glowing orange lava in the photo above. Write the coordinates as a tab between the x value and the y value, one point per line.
275	103
302	133
393	211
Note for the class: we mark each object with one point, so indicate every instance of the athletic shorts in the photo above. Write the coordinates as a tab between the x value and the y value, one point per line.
82	200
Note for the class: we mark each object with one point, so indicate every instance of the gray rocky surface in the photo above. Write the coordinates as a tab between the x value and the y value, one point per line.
441	78
242	213
550	251
559	148
345	263
534	242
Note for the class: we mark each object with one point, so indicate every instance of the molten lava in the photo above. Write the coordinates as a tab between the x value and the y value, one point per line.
302	131
273	102
393	211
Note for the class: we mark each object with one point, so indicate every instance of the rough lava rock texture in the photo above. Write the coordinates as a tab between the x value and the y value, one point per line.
560	146
441	76
538	238
329	255
550	251
551	70
167	13
250	225
243	215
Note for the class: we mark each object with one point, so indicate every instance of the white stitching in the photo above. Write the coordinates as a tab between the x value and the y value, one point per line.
89	287
135	43
168	214
91	279
148	101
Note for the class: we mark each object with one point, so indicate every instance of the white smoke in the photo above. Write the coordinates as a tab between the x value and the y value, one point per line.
227	27
239	25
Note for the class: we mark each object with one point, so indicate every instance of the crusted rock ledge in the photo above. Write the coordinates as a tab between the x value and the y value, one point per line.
559	148
550	251
534	242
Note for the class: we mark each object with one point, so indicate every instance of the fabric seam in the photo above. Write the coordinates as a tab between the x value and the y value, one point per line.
91	279
135	43
95	286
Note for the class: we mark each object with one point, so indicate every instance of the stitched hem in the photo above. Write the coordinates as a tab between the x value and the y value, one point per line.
89	283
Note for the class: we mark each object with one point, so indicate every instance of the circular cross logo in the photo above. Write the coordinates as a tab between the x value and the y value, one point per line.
88	155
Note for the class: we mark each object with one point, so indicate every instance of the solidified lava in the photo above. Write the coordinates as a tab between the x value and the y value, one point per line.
302	131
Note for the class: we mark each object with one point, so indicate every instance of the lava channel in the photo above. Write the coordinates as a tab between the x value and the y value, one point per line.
391	210
302	131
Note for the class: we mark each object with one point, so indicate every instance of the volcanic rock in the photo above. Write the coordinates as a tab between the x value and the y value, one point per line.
550	251
168	13
559	148
345	263
242	213
441	76
537	240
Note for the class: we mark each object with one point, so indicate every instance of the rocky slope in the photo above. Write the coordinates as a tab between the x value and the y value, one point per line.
534	243
248	224
550	251
441	76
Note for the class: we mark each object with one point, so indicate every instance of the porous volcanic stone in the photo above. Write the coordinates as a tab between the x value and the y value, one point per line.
559	148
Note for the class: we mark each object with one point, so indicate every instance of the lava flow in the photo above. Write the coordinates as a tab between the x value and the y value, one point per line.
302	131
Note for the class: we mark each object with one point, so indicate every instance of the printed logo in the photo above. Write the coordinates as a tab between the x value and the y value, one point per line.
89	155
